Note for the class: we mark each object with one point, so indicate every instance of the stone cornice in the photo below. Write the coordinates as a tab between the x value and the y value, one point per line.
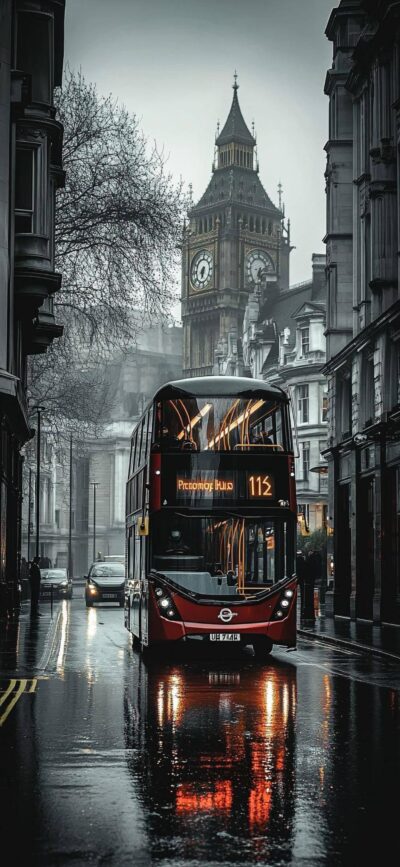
366	335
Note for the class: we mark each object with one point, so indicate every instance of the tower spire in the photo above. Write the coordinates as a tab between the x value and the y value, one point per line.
280	190
235	84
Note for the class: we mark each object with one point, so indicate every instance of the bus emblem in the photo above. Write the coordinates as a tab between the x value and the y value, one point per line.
226	615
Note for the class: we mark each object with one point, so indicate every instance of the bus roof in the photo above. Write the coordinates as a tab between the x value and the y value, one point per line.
221	386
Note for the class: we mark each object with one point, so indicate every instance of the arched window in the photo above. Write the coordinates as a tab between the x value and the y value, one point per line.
270	228
210	222
257	224
264	224
251	225
200	227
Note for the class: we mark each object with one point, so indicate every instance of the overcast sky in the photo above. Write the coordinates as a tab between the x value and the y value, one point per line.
171	62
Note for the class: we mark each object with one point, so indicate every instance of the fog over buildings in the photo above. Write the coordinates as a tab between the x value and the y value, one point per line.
172	64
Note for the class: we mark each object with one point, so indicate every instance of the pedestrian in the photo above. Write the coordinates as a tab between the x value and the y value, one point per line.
34	580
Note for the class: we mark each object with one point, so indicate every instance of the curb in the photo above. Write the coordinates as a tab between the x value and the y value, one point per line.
349	645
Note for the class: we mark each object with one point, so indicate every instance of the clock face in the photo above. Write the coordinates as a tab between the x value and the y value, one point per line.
201	270
258	265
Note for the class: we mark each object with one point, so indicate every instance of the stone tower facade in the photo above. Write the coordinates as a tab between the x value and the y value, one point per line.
235	244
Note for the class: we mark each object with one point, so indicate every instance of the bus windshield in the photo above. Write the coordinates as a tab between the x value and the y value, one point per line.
219	424
221	555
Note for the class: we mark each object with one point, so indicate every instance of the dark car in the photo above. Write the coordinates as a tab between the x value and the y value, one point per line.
105	583
56	582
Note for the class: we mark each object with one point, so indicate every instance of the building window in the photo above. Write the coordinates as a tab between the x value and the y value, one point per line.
344	404
302	404
323	444
57	518
368	395
24	189
303	520
33	52
305	340
324	407
305	460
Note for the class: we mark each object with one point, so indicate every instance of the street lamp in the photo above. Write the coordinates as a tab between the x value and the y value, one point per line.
38	410
29	513
70	566
94	518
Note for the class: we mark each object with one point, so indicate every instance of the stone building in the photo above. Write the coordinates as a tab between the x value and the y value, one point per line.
235	239
103	461
284	343
363	309
31	57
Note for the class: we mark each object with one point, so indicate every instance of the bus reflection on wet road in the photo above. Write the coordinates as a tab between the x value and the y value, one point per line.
214	751
276	764
109	758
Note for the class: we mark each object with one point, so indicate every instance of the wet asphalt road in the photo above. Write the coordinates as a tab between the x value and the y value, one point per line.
109	760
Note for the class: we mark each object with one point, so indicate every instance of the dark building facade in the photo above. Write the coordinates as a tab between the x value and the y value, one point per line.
284	343
31	56
236	239
363	309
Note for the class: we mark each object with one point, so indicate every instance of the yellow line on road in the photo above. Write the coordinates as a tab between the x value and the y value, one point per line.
21	689
7	692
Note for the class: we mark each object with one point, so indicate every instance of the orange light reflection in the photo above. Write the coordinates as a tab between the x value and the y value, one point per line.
218	800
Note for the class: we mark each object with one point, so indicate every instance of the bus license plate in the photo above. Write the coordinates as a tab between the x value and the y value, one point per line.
110	596
225	636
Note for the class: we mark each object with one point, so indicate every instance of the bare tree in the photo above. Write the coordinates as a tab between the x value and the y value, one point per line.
118	227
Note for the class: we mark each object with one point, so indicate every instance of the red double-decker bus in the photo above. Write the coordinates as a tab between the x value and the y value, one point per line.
211	517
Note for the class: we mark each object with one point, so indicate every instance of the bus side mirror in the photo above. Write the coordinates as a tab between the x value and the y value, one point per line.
143	526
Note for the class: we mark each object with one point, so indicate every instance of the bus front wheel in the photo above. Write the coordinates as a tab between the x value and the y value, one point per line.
262	647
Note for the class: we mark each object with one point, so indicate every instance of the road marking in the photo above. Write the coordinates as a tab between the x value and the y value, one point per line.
23	687
7	692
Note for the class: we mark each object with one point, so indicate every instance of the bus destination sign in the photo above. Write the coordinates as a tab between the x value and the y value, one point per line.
224	485
206	484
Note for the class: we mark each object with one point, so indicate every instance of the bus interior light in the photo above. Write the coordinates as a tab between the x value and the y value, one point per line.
159	591
164	602
279	613
284	603
289	593
157	472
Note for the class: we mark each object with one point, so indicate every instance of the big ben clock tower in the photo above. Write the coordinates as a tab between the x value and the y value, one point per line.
235	244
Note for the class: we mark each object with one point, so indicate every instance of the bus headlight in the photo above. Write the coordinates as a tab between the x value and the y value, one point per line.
165	604
283	604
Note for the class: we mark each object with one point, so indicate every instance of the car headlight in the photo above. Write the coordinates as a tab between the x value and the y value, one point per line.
64	584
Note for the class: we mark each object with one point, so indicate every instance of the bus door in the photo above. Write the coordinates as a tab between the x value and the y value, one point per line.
134	581
144	613
142	588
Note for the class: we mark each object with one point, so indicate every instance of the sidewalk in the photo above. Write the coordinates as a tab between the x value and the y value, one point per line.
26	642
380	641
